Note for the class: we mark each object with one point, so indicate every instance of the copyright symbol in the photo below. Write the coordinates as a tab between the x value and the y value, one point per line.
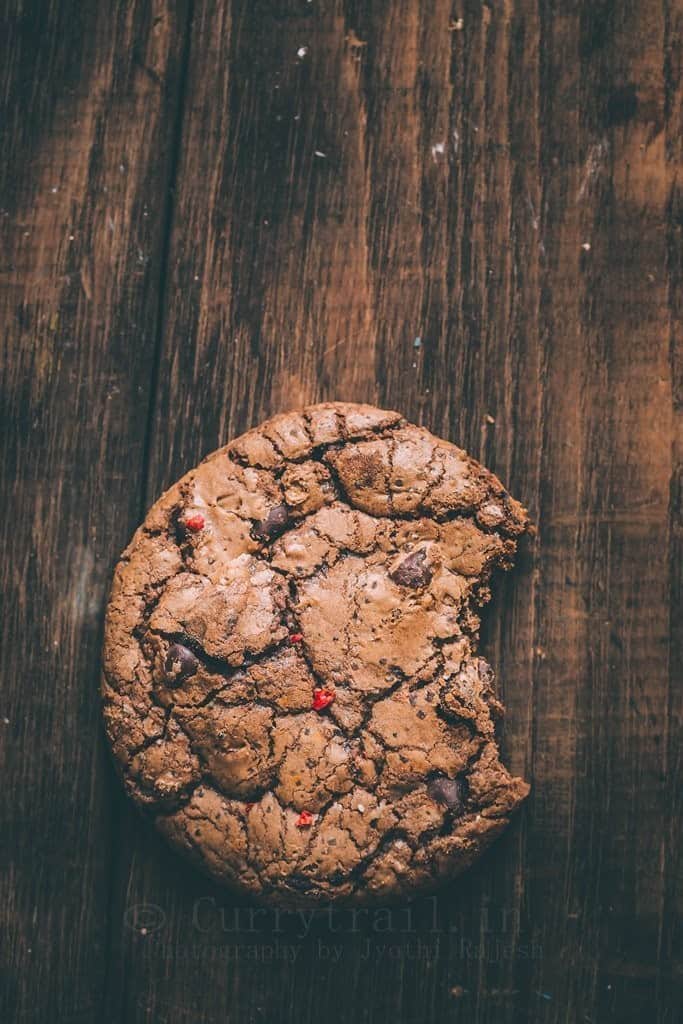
145	918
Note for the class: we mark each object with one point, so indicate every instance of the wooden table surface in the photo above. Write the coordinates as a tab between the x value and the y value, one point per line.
468	210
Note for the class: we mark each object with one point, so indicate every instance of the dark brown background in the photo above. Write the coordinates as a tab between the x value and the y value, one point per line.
202	226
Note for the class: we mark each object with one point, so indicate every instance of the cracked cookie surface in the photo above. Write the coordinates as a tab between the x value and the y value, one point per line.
291	685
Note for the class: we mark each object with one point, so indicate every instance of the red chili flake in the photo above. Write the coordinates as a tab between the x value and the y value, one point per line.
322	698
295	638
305	820
195	522
248	806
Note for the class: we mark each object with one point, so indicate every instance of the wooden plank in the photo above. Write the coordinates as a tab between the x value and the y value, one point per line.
632	296
88	94
601	716
670	937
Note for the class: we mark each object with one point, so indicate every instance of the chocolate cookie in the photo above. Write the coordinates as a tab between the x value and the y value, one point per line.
291	686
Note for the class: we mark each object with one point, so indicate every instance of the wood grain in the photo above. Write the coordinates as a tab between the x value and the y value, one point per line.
83	206
468	211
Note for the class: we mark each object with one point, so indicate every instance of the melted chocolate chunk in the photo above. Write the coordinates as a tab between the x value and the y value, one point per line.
450	792
274	523
179	664
300	883
413	571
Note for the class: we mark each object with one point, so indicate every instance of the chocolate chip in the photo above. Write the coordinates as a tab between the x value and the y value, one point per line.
179	664
413	571
450	792
300	883
274	523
